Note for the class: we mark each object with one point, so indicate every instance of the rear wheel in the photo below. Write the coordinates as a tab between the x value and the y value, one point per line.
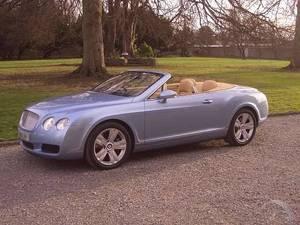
242	128
108	145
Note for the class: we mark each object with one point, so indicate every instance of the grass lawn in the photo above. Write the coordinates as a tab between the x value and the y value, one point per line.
23	82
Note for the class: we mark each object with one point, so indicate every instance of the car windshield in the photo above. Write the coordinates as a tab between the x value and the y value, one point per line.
128	84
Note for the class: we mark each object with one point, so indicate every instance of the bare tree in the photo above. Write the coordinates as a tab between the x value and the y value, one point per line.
217	12
124	16
112	20
93	62
41	26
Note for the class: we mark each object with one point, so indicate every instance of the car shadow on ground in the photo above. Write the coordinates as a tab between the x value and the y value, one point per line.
182	151
217	146
40	179
179	150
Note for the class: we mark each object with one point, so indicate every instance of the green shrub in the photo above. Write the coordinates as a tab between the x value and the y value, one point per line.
145	50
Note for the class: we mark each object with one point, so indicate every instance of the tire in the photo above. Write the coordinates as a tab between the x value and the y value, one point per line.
239	122
108	146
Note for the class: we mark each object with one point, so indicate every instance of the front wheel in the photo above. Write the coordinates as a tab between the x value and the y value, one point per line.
108	145
242	128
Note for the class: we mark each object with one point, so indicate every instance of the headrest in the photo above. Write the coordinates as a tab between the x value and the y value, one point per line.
187	86
209	85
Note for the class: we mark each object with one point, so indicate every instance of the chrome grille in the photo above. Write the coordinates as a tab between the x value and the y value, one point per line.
29	120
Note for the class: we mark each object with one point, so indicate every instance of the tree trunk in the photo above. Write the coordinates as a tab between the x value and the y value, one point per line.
295	63
113	13
129	26
92	34
125	28
132	36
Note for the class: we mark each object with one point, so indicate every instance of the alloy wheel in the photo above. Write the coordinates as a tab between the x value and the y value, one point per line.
110	146
244	127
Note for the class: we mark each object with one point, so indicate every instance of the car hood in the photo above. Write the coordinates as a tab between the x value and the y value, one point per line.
78	101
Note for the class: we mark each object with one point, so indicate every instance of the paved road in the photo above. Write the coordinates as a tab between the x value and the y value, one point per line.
209	183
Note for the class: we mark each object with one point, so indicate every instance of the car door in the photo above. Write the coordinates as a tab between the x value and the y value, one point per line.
182	117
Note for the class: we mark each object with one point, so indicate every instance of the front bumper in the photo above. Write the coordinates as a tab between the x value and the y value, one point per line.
54	145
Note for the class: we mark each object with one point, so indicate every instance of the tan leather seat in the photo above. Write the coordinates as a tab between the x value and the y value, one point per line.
199	86
187	87
208	85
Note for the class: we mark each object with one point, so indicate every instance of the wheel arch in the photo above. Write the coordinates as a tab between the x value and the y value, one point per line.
126	125
230	132
252	109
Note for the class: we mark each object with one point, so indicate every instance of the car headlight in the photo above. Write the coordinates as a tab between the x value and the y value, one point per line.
62	124
48	123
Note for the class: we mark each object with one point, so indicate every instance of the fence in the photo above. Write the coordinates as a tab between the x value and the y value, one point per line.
260	52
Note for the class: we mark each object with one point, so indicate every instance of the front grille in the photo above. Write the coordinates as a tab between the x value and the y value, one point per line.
29	120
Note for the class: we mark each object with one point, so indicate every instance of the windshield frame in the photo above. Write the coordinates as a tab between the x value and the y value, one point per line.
159	75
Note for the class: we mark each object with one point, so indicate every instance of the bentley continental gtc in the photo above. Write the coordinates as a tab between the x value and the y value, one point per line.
140	110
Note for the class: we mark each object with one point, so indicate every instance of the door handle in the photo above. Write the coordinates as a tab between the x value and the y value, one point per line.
207	101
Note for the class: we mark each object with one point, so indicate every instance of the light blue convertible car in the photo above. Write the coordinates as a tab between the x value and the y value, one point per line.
137	110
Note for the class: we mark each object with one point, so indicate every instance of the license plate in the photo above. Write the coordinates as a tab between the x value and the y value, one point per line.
24	135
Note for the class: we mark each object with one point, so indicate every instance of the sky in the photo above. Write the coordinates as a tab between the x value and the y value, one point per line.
283	14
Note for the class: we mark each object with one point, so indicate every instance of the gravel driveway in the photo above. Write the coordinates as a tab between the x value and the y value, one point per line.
209	183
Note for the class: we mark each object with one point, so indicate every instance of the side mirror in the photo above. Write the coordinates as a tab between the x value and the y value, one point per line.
164	95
